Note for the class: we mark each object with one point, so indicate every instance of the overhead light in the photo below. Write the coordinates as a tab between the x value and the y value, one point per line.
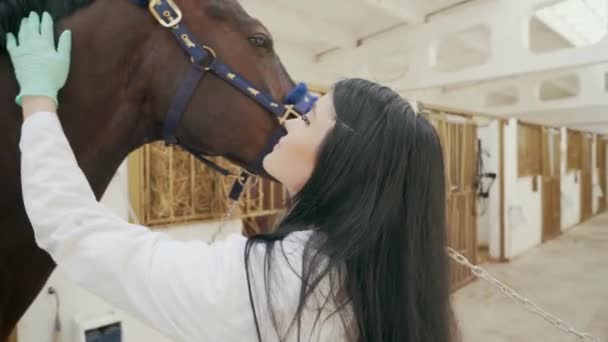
581	22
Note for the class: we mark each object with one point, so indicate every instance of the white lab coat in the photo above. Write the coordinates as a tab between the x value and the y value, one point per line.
188	290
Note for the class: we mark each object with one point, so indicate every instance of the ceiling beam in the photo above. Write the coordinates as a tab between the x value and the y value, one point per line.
590	124
569	116
591	92
510	55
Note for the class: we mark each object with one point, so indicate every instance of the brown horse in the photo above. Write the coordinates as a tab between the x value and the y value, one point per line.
125	70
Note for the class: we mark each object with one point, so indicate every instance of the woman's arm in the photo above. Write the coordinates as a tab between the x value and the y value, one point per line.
187	290
35	104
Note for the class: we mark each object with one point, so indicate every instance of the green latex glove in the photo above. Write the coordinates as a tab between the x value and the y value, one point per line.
39	67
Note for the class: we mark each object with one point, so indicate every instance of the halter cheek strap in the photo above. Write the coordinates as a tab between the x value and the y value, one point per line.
204	59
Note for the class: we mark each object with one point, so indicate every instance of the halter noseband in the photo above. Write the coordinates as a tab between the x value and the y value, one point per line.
204	59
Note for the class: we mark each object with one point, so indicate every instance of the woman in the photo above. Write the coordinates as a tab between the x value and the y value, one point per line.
359	255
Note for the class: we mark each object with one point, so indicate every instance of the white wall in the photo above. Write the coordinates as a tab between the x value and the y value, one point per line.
523	209
488	218
37	323
570	189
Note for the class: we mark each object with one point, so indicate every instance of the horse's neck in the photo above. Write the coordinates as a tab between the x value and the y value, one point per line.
101	106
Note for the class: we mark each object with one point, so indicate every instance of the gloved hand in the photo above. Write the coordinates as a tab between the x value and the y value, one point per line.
39	67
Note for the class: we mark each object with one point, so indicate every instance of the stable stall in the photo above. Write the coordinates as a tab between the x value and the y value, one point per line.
472	147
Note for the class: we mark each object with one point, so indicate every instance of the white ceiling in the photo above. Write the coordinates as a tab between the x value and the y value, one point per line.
358	18
323	25
582	22
309	29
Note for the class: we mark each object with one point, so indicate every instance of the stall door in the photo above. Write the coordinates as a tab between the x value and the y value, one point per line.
551	187
601	167
586	178
459	148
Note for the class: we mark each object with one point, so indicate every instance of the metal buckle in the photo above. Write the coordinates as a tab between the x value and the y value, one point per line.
170	21
212	53
244	178
289	112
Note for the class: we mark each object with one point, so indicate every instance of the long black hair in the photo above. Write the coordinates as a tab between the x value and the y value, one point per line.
376	204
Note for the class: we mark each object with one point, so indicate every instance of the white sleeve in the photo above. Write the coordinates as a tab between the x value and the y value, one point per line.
190	291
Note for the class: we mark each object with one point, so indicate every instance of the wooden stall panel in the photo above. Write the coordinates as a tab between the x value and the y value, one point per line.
529	150
551	184
586	176
169	187
573	161
459	147
601	167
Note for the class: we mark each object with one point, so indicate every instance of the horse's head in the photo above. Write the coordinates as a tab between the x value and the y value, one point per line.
220	119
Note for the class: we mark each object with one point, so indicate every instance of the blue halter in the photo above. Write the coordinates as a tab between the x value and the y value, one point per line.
203	58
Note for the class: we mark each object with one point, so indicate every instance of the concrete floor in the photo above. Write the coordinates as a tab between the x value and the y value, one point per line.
567	277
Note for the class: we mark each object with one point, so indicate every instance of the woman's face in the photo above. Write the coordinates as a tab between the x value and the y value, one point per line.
294	156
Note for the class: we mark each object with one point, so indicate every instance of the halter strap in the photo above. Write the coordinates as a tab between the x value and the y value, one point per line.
203	58
180	101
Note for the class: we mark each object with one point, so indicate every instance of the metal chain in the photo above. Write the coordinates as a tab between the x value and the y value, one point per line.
224	221
133	216
249	183
509	292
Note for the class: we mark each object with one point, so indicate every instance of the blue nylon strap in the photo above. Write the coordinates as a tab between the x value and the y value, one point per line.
180	102
239	82
204	160
305	104
184	37
203	58
237	187
301	98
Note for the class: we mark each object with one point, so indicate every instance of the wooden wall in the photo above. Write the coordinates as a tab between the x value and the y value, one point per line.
551	183
460	157
601	166
586	178
529	150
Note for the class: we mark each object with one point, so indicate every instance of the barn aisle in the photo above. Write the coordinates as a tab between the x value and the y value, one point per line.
568	277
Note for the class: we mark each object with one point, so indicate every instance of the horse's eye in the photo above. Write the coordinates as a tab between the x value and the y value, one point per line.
259	41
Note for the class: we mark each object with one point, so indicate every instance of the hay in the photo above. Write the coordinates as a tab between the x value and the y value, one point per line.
178	189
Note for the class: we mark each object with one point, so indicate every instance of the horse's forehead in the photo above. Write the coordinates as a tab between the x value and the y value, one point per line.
226	9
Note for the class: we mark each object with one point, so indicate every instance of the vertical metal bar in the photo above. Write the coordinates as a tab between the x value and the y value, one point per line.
192	182
471	191
271	204
147	185
261	193
171	199
247	201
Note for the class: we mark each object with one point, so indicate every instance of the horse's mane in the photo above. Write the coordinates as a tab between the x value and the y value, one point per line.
12	11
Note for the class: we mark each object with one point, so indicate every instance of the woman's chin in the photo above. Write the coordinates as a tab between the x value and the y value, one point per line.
267	164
